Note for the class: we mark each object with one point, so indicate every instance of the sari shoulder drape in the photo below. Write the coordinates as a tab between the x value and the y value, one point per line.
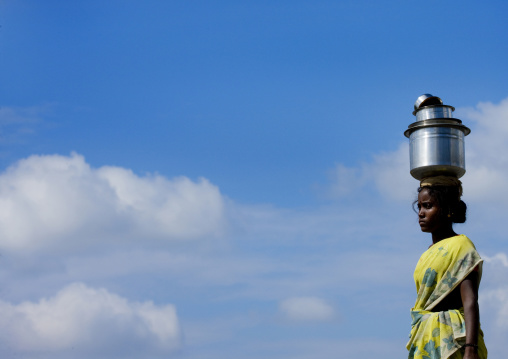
441	269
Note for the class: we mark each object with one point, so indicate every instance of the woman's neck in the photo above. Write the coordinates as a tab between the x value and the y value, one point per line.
443	234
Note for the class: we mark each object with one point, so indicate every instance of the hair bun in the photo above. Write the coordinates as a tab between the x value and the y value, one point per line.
459	212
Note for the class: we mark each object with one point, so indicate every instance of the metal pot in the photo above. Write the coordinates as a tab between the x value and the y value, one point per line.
430	112
436	140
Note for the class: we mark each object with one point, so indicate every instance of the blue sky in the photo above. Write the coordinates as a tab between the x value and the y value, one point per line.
200	179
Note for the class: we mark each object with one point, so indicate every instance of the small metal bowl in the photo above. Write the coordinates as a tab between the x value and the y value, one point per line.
427	100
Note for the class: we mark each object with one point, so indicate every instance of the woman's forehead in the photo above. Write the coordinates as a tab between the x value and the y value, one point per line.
425	195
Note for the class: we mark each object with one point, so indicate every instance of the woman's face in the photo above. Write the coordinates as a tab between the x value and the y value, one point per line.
430	216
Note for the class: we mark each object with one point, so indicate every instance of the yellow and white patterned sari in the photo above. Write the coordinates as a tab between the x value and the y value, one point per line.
440	335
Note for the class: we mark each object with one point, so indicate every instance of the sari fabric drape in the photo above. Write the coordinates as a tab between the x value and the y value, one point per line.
441	269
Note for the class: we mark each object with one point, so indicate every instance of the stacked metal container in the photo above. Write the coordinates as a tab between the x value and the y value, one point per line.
436	140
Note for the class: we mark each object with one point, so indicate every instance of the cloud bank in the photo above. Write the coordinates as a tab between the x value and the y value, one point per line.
88	320
486	151
47	200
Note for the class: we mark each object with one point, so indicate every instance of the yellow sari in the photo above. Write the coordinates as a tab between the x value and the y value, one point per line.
441	335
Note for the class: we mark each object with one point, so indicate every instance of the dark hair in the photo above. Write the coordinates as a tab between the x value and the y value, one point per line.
449	201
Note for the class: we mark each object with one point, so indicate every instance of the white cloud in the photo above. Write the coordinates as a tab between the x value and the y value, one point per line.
486	151
389	172
58	199
500	258
306	309
345	180
498	299
88	320
493	300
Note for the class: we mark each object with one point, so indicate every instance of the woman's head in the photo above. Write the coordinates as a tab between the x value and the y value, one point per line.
439	207
448	199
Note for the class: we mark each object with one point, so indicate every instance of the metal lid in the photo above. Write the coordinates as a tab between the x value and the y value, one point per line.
427	100
437	122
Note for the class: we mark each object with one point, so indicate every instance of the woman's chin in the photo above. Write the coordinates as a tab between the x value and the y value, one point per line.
424	229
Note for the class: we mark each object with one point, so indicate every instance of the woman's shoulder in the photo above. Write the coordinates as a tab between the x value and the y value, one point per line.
462	241
462	238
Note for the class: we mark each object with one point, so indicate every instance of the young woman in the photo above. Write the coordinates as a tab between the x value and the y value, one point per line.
446	317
